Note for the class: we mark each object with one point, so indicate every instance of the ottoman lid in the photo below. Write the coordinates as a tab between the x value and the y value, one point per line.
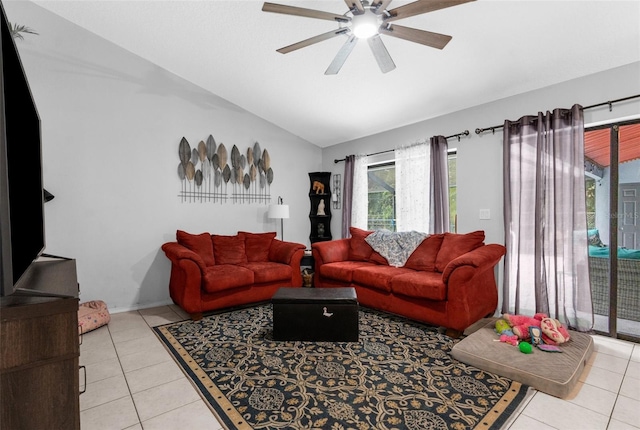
314	295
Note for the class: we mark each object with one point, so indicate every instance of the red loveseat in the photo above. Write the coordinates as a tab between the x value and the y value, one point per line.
447	281
210	272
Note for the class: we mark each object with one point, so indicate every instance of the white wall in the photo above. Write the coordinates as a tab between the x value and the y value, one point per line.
479	169
111	124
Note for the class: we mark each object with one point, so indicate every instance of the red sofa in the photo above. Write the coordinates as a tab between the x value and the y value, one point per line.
447	281
210	272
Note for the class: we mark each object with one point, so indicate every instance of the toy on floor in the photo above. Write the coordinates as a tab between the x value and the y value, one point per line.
525	347
503	327
513	339
553	332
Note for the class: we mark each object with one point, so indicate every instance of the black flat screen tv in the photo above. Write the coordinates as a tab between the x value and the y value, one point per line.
22	238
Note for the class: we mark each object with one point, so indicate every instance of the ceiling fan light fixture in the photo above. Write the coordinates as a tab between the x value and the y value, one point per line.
366	25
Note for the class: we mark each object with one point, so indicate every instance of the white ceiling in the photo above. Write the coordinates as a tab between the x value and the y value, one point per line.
499	48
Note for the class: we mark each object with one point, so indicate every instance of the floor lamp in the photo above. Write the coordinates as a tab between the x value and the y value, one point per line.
279	211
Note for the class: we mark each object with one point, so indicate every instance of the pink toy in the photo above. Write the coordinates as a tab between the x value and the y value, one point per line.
553	332
513	340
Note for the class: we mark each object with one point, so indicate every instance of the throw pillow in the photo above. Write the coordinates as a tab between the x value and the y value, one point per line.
198	243
593	236
229	249
257	245
424	257
454	245
359	249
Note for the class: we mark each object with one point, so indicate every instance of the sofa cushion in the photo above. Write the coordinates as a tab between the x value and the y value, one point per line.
226	276
454	245
359	249
377	277
420	284
198	243
229	249
342	270
257	245
269	272
424	257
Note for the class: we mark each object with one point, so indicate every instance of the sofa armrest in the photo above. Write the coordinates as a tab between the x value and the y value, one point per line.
330	251
176	252
284	252
483	258
288	253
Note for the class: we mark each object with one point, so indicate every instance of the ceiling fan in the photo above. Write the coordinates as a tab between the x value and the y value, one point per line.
368	21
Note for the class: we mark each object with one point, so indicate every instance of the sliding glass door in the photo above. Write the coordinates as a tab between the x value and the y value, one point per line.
612	169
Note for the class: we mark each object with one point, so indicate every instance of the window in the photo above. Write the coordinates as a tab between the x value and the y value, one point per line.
382	197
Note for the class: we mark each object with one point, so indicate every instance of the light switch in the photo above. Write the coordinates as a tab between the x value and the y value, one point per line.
485	214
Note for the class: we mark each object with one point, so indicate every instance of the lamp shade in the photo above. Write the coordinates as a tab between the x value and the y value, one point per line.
278	211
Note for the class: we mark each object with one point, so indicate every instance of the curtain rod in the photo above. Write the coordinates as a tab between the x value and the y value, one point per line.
464	133
610	103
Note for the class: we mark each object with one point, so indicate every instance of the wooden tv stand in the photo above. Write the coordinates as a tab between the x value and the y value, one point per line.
39	350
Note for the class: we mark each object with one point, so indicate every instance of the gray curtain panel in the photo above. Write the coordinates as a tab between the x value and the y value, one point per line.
347	195
546	265
439	189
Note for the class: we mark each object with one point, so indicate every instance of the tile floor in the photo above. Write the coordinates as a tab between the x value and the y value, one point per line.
133	383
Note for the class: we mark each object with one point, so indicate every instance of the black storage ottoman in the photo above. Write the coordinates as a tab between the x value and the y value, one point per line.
315	314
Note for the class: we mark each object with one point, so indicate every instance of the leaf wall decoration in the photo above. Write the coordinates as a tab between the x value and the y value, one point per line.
246	181
243	161
263	180
211	147
202	151
222	155
235	157
250	155
206	168
181	172
190	171
194	156
253	172
266	160
226	174
257	152
198	177
269	176
217	177
239	175
184	151
215	160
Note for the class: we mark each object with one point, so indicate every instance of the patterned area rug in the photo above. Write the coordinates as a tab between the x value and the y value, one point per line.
400	375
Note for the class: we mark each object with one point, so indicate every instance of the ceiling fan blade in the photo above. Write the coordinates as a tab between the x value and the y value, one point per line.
434	40
379	6
420	7
312	40
381	54
300	11
355	6
341	56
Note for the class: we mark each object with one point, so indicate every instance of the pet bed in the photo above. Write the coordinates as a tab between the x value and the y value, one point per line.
552	373
92	315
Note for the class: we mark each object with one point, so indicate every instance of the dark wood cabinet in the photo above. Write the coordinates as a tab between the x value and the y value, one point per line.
39	353
320	202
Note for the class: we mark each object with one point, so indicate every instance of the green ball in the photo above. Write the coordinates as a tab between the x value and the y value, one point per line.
525	347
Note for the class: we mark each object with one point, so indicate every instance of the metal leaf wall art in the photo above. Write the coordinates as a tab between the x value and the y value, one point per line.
209	173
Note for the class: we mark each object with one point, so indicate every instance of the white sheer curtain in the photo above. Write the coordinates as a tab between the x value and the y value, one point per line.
546	266
360	202
412	187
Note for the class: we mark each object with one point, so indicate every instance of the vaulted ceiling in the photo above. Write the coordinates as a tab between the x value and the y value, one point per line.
499	48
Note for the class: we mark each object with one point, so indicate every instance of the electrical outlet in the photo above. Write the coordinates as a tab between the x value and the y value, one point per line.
485	214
